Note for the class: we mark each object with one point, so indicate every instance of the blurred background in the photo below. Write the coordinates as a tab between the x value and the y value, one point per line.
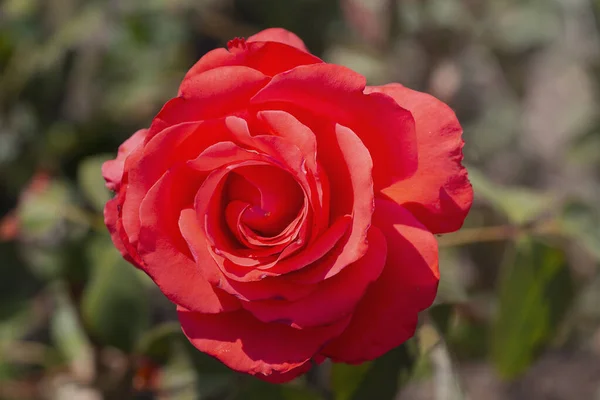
518	310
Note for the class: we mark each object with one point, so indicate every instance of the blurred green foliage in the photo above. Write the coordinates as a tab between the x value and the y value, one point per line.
518	310
534	295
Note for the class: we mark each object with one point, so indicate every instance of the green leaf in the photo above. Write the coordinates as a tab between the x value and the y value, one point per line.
380	379
69	336
345	379
519	205
535	292
91	182
115	306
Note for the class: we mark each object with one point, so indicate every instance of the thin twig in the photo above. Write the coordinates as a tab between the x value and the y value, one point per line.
496	234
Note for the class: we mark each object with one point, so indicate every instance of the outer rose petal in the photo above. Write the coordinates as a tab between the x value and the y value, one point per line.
113	170
387	314
245	344
267	56
167	259
277	377
175	144
208	95
110	220
439	193
218	84
279	35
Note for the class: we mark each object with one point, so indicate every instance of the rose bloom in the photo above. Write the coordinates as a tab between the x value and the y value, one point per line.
288	209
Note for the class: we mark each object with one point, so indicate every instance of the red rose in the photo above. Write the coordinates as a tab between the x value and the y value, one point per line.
289	210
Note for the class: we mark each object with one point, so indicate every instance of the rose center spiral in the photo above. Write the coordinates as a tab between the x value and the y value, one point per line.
268	198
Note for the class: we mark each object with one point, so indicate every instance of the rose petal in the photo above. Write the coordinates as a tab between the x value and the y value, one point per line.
245	344
336	93
110	220
268	57
112	170
221	85
210	264
287	153
210	219
335	298
211	94
176	144
168	260
119	229
281	200
256	241
278	35
244	195
387	314
350	163
352	184
283	265
277	377
439	194
261	246
274	210
288	127
272	58
290	157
